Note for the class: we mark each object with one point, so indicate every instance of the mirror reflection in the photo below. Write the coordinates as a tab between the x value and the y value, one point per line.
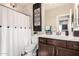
58	17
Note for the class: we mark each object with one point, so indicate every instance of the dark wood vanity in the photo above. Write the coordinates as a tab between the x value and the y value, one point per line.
57	47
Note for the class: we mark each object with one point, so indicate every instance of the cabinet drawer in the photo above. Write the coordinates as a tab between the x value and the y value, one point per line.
66	52
42	40
50	41
56	42
73	45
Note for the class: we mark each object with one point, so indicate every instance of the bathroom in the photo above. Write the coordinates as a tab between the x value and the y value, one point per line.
33	29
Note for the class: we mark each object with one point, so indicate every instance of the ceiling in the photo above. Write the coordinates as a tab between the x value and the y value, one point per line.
24	4
46	5
49	6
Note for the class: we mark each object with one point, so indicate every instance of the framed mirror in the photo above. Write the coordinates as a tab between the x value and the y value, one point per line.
37	17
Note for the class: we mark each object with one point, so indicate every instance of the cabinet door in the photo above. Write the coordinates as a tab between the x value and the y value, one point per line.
45	50
59	43
66	52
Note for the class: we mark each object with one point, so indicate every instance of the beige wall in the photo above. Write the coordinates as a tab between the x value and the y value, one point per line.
50	15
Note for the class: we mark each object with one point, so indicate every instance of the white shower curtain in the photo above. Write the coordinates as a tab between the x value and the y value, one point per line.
3	41
15	34
10	41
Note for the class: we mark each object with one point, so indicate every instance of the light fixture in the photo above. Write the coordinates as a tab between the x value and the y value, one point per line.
13	5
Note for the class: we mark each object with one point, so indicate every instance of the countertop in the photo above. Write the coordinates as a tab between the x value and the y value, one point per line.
60	37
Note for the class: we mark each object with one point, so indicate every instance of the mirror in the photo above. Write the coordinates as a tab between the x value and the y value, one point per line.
59	16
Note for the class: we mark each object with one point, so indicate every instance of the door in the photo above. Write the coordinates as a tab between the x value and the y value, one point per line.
45	50
66	52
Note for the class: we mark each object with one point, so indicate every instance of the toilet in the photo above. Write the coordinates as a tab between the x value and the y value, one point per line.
32	48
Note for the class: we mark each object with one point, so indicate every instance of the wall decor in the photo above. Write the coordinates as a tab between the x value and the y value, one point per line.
37	17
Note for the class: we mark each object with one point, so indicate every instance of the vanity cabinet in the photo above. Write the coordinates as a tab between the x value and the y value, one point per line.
57	47
55	42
